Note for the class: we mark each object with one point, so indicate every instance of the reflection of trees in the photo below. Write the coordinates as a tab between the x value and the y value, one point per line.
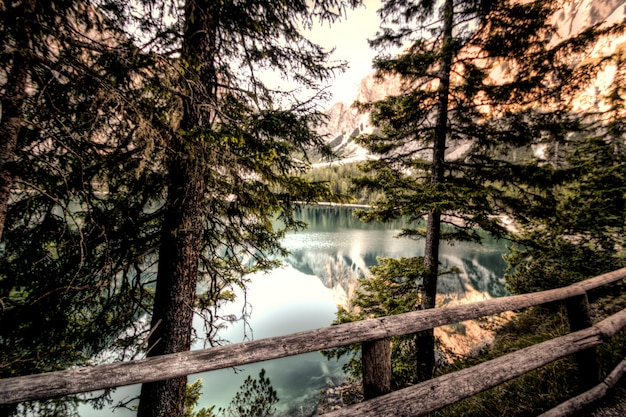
340	217
334	263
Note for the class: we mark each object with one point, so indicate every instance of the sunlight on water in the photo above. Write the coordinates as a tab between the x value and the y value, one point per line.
283	302
325	262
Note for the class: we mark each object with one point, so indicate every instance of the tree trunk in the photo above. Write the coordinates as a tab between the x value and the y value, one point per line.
176	288
425	341
182	231
12	102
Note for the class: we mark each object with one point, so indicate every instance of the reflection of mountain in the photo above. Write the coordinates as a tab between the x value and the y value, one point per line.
337	271
479	272
338	249
333	269
340	270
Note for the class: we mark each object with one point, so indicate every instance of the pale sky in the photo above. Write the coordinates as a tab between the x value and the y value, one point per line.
349	36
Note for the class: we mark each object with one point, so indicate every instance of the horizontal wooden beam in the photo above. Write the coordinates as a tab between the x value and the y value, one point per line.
578	403
601	280
73	381
428	396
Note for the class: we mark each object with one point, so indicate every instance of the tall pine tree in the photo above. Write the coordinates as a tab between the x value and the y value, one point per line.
489	79
235	150
78	174
142	133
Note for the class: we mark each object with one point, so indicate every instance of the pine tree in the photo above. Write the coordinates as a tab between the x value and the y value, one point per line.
489	76
78	172
231	164
144	135
584	236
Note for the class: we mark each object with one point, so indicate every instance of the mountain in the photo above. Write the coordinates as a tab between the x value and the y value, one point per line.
578	15
345	122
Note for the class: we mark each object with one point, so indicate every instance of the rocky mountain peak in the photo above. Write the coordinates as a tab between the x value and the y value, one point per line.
373	88
345	122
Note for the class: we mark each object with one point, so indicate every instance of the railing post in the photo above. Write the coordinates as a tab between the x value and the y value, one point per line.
579	318
376	361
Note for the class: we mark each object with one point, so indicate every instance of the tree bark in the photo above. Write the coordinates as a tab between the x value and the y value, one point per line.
182	231
12	103
176	289
425	341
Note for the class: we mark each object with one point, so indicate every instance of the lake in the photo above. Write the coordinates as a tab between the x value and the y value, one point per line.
320	273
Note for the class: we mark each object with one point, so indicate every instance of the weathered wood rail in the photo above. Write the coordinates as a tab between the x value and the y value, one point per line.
374	334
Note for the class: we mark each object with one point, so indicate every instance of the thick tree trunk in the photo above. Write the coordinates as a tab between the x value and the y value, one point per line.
182	231
426	340
176	288
12	102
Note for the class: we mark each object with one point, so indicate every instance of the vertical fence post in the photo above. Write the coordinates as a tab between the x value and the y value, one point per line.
376	361
579	318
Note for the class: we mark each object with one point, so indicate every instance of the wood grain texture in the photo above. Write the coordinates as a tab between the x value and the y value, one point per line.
157	368
376	362
432	395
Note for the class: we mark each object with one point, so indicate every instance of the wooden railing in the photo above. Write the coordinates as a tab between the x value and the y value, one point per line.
374	334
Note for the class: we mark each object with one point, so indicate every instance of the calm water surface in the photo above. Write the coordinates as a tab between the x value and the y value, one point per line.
320	273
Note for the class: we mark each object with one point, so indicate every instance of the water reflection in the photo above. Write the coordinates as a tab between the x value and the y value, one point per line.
321	272
339	248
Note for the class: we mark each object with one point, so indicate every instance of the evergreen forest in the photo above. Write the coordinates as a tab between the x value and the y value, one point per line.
149	164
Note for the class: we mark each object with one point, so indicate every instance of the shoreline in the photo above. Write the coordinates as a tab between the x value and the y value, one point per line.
506	221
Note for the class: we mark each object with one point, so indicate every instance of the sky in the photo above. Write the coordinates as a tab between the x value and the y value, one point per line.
349	36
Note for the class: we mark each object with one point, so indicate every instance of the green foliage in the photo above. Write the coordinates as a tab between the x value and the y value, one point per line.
340	178
127	163
192	396
393	288
498	174
544	388
531	394
492	80
541	389
583	235
255	398
79	235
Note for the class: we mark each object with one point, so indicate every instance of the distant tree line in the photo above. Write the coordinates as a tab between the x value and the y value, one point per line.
339	177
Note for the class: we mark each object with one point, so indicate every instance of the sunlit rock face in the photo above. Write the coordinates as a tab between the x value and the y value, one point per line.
578	15
343	125
345	122
337	271
374	89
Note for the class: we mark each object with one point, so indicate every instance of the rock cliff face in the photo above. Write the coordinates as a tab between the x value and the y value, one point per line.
345	122
578	15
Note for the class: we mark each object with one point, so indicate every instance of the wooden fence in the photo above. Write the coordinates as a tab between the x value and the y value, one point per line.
374	334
